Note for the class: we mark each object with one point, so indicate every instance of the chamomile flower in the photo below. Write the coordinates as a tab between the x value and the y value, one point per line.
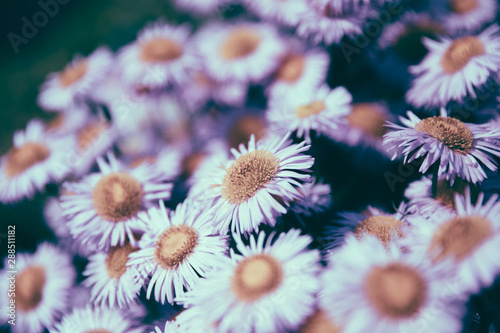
245	52
280	278
363	126
113	282
35	160
330	21
425	203
161	55
467	237
177	249
374	289
300	69
74	84
458	147
93	319
42	282
453	68
103	207
287	12
252	188
386	227
465	15
321	110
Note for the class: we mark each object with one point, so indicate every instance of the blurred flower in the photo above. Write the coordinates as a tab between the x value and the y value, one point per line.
103	207
287	12
320	109
177	250
453	68
93	319
458	146
62	90
317	199
43	282
35	160
281	277
371	288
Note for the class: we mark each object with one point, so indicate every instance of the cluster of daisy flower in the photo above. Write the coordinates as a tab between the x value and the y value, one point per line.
196	173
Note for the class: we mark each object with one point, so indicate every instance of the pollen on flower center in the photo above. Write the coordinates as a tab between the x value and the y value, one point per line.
460	236
116	261
117	196
244	127
161	49
307	110
256	276
460	52
382	227
248	174
175	245
396	290
19	159
90	133
446	193
73	73
463	6
240	43
291	68
319	322
369	118
29	287
451	132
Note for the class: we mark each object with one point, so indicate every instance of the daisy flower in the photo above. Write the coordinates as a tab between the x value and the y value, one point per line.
178	248
268	288
363	126
202	88
386	227
35	160
299	69
245	52
113	282
467	237
320	110
91	319
62	90
287	12
42	283
420	195
465	15
330	21
252	187
374	289
103	207
67	123
453	68
161	55
459	147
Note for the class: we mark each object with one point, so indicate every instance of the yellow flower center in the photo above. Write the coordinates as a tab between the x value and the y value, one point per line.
20	159
160	49
369	118
240	43
116	262
396	290
291	68
256	276
463	6
460	52
73	73
175	245
243	129
385	228
319	322
451	132
29	288
248	174
117	196
90	133
308	110
459	237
